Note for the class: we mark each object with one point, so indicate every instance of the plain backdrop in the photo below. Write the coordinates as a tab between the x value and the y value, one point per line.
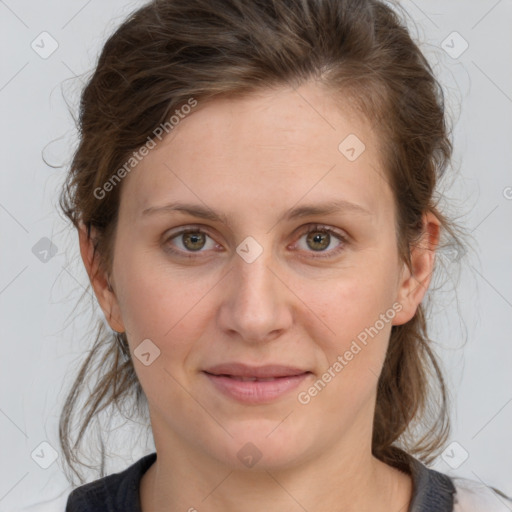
49	48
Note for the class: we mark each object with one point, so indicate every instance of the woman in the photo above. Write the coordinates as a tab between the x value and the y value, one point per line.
253	192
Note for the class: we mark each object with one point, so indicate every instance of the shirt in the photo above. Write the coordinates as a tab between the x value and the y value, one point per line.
432	492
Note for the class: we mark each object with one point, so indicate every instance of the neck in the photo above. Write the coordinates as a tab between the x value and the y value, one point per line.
345	479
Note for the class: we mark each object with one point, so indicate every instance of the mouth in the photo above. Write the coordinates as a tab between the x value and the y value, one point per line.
249	379
262	373
255	384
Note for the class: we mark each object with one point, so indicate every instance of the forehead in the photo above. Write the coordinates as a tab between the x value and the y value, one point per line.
267	147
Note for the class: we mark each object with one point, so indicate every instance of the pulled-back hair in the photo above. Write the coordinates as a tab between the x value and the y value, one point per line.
360	51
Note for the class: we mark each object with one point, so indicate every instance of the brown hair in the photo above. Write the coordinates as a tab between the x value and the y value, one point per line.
172	50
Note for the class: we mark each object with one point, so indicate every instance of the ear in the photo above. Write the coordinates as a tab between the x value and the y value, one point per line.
100	280
413	286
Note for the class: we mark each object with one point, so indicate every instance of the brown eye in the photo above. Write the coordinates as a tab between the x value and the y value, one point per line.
188	241
318	240
323	240
194	241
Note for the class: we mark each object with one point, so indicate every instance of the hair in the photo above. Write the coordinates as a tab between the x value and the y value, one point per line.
170	51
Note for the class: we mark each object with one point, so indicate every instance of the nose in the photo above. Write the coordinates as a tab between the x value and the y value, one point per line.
257	306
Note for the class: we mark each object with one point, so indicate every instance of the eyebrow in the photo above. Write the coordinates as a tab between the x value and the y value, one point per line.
203	212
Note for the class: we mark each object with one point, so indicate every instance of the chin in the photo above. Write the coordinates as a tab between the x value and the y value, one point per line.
263	445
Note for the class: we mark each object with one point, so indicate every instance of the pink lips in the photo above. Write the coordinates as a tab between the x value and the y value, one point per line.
255	384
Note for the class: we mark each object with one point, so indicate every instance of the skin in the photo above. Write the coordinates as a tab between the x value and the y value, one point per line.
253	159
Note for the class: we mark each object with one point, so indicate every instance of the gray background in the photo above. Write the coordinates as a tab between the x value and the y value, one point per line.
42	338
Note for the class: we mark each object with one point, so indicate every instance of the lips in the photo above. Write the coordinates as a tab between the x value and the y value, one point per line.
255	384
244	372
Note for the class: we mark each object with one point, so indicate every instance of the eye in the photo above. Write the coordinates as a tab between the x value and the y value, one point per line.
188	241
319	238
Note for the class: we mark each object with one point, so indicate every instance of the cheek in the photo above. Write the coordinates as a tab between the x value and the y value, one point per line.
352	357
158	304
166	309
352	302
354	321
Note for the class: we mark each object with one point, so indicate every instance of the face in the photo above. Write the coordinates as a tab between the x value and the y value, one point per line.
287	273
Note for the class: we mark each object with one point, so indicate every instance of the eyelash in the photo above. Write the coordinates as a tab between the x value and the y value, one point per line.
311	229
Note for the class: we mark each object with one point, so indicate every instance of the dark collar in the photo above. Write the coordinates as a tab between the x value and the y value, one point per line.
432	491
